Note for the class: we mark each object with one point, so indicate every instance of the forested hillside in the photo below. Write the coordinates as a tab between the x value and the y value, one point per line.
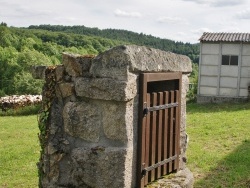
191	50
43	45
21	48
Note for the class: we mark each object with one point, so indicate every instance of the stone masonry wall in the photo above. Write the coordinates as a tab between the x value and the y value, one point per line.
91	138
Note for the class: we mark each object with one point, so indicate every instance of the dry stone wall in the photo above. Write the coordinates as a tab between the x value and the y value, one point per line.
19	101
91	134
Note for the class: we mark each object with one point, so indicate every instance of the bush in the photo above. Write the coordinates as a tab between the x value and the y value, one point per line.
192	93
24	111
2	94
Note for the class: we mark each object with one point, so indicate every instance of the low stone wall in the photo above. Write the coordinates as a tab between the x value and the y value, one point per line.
220	99
89	136
19	101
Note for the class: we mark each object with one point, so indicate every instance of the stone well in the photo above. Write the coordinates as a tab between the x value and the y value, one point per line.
90	134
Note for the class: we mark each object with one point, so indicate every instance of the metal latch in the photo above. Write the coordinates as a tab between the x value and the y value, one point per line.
160	107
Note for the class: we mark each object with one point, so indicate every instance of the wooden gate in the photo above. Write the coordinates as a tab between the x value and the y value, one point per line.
159	126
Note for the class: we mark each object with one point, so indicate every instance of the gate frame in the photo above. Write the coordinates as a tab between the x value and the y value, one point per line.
145	78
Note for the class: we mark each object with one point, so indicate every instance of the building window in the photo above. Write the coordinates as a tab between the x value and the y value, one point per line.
230	60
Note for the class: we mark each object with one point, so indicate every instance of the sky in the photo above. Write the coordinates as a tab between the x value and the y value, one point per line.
178	20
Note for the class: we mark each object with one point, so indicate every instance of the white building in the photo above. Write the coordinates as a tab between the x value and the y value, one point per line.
224	67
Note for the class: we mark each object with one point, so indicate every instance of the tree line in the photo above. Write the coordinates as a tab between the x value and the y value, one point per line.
20	48
190	50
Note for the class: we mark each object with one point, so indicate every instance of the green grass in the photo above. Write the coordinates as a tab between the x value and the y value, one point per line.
19	151
219	145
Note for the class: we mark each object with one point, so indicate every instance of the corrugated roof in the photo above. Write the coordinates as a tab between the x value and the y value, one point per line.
225	37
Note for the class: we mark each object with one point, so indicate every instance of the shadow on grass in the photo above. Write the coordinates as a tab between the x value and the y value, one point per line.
214	107
232	172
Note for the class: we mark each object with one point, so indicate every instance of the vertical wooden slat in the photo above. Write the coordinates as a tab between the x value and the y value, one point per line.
141	132
142	162
171	130
147	141
174	133
153	136
165	132
159	133
177	130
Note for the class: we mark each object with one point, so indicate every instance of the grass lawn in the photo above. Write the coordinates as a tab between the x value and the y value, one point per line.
218	152
19	151
219	145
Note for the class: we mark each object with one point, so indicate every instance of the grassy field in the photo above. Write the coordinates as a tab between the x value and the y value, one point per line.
218	151
219	146
19	151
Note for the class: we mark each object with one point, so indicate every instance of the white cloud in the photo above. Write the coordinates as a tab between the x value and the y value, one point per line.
201	30
182	34
121	13
244	14
172	20
69	20
223	3
219	3
198	1
230	30
28	12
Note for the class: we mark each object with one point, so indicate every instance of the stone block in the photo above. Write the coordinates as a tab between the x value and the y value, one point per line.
59	73
85	62
118	120
114	122
76	65
144	59
72	65
117	62
38	72
182	179
106	88
82	120
185	88
66	89
113	64
101	167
